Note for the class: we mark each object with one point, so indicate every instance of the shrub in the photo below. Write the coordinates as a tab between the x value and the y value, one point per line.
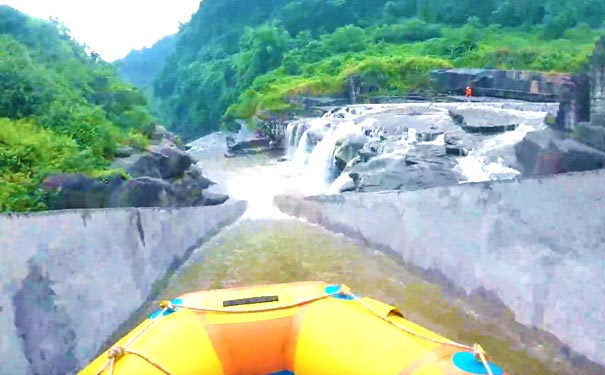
28	153
346	38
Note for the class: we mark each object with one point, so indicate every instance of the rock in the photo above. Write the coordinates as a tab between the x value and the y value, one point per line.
246	146
455	150
189	189
549	151
428	126
123	152
423	168
139	165
158	162
348	150
316	134
597	84
348	186
486	120
214	199
593	132
369	150
574	104
354	88
173	162
144	192
321	101
459	142
70	191
158	133
591	135
196	173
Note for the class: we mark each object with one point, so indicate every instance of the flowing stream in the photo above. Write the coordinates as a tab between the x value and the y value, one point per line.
267	246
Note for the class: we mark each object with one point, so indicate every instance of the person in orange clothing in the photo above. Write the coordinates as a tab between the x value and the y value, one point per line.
469	93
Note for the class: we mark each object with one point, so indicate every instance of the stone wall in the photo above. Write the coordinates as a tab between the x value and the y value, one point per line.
68	279
510	84
593	132
538	245
572	92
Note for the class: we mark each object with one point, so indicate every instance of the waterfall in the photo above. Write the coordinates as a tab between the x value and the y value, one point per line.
301	153
320	166
291	138
484	164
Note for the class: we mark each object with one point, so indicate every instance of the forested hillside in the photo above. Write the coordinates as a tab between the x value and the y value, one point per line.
140	67
240	58
61	110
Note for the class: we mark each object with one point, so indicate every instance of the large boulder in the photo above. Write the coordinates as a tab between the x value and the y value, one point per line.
189	190
370	150
139	165
159	133
173	162
348	149
421	168
459	142
143	192
549	151
484	120
213	199
123	152
159	161
69	191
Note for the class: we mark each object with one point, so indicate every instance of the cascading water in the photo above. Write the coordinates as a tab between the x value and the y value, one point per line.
313	143
311	130
484	164
321	161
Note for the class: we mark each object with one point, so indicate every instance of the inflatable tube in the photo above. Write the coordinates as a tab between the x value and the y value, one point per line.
299	328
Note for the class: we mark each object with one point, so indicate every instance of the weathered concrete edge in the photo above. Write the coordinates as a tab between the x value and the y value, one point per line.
30	239
575	319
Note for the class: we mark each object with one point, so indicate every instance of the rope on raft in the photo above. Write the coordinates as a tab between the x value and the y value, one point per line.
115	353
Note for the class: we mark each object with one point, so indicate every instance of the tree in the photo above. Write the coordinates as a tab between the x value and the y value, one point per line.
262	49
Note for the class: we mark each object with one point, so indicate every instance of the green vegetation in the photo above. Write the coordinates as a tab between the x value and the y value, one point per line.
240	59
140	67
61	110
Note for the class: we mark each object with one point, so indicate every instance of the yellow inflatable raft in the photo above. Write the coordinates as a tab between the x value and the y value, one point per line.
300	328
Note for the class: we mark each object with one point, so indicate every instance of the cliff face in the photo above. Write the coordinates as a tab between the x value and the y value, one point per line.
70	278
536	244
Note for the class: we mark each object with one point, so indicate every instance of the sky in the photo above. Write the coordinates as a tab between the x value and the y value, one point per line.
113	28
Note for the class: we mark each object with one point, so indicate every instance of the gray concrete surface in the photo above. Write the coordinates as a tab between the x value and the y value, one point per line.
537	244
68	279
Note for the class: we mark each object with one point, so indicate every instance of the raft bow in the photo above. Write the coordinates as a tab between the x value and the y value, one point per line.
286	329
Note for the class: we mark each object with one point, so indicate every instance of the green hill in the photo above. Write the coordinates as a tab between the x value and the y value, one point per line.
61	109
140	67
240	58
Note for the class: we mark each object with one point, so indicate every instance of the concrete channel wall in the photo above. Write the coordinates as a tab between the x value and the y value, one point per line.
537	244
68	279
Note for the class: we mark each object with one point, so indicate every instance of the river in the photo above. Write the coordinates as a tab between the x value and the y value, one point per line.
267	246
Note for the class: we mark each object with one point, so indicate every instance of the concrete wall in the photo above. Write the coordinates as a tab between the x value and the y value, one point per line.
69	279
538	245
